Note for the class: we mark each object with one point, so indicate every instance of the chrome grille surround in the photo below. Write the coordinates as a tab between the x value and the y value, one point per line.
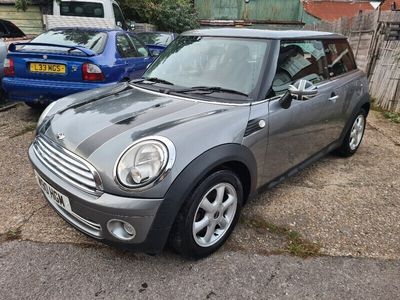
67	165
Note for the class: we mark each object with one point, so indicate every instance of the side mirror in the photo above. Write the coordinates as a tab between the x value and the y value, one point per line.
155	53
119	24
301	90
131	25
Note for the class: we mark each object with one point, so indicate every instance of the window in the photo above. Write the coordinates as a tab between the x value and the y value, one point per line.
230	63
10	30
340	57
125	46
299	60
154	38
90	39
140	48
82	9
119	18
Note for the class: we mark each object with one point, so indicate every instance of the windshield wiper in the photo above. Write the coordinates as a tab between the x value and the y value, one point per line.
210	90
154	80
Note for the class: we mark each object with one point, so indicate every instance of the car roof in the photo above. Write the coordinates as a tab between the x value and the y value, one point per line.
88	29
157	32
263	33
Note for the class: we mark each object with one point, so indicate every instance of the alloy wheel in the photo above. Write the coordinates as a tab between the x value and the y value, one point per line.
215	214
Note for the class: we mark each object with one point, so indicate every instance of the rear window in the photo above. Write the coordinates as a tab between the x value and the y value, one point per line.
82	9
93	40
155	38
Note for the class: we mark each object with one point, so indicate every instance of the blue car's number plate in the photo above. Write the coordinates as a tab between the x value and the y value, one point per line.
47	68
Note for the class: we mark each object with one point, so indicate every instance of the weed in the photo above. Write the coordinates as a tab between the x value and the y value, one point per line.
13	234
295	244
392	116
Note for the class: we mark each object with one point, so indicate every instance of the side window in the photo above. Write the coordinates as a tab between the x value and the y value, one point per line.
340	57
3	30
299	60
140	48
125	47
118	15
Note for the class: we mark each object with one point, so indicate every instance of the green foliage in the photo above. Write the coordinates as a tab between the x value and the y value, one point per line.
21	4
392	116
167	15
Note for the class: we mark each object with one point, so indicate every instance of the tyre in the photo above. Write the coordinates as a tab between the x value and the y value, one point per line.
354	136
208	217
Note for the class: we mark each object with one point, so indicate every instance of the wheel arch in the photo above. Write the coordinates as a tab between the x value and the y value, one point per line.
234	157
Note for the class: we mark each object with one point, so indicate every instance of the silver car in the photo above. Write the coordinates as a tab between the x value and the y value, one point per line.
174	156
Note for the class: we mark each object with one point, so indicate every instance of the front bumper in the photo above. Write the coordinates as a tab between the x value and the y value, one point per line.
36	90
91	213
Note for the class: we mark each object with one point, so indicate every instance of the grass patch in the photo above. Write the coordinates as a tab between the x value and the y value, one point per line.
392	116
28	128
295	244
13	234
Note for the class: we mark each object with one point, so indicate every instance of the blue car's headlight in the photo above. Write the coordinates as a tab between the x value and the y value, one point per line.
145	162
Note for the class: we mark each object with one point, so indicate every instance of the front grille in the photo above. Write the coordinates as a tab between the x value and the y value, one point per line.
67	165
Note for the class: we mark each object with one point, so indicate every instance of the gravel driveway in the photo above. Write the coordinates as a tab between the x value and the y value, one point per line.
337	207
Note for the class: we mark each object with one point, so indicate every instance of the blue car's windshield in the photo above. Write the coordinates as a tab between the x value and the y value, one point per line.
93	40
227	63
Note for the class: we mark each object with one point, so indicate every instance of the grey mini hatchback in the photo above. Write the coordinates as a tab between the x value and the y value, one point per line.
171	158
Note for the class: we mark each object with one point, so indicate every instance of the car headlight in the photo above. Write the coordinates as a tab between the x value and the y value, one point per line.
145	161
44	114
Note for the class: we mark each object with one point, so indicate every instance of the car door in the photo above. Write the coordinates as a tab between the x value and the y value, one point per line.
144	59
303	129
133	62
345	80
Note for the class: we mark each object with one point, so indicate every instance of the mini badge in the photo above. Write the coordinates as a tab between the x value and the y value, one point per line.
60	136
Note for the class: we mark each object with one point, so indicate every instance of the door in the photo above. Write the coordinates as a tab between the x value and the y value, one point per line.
297	133
144	59
346	81
133	60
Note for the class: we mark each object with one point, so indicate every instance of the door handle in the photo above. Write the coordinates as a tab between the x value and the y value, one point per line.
333	98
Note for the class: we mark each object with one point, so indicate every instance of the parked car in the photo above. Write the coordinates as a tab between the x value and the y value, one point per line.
157	41
10	33
3	54
61	62
99	9
220	114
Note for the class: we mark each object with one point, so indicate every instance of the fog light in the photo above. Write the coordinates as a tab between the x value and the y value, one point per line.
122	230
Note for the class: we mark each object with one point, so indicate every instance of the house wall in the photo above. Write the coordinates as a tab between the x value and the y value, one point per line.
30	21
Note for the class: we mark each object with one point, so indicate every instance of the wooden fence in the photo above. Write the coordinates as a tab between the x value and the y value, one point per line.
375	51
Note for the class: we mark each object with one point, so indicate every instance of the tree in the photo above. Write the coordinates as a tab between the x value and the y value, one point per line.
167	15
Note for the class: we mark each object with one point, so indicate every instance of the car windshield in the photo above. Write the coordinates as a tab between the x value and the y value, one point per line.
151	38
93	40
221	63
82	9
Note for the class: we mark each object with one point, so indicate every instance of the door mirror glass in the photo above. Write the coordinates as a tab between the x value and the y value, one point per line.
155	53
303	90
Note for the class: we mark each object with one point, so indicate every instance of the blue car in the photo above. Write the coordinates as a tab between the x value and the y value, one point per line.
157	41
64	61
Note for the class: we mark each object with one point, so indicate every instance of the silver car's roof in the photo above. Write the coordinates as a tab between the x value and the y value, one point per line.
264	34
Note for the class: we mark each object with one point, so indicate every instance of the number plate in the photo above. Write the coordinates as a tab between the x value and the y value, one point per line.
47	68
52	195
